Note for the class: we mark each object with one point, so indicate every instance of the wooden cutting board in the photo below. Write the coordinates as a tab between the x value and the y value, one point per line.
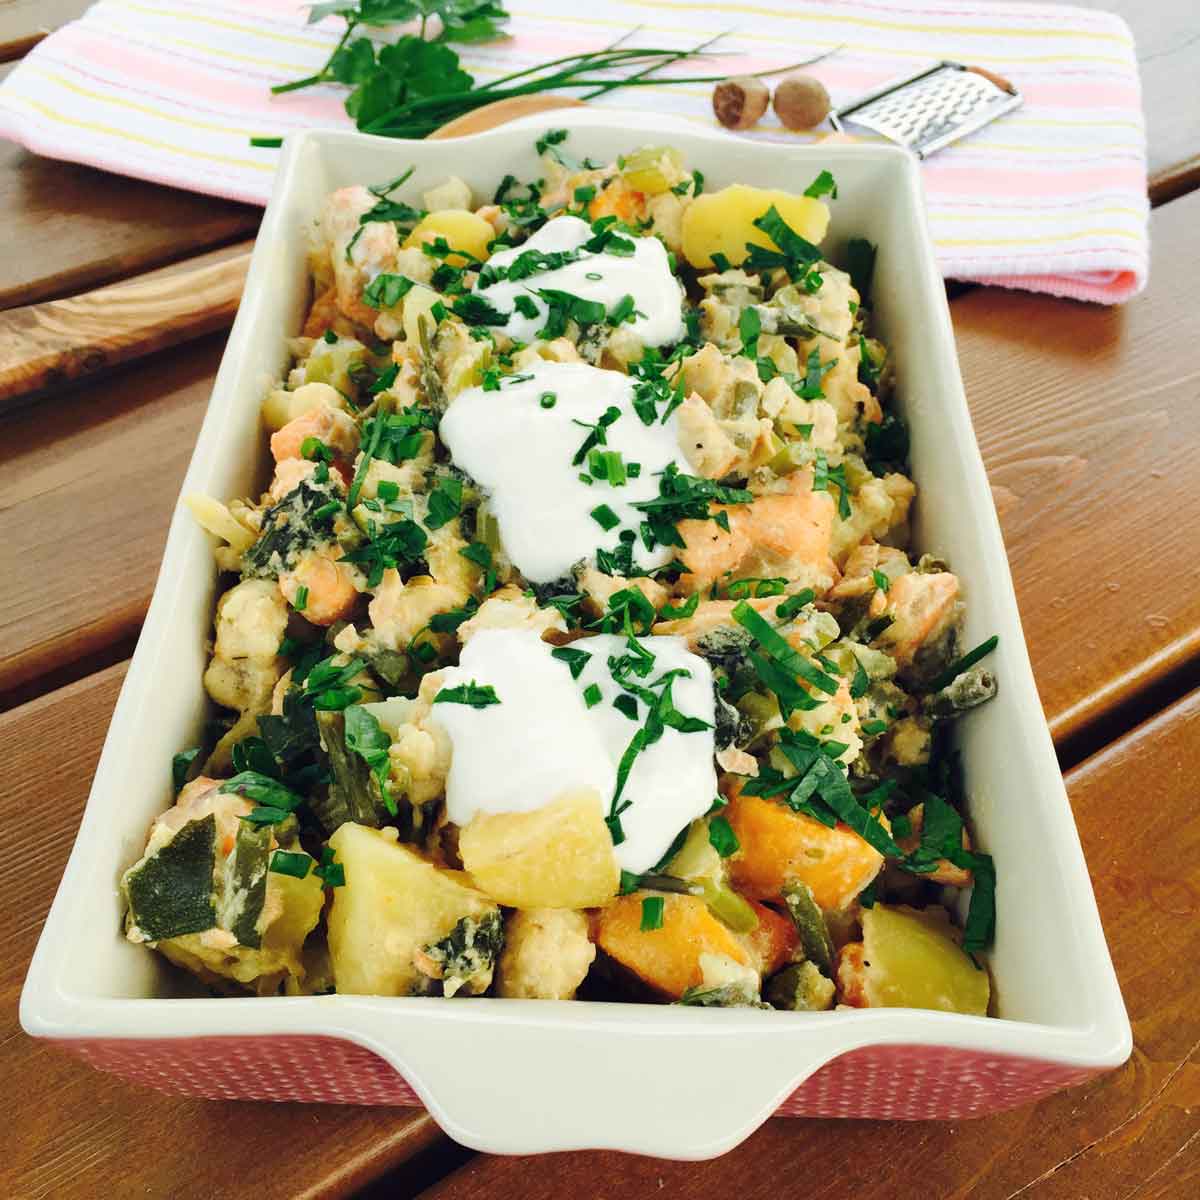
44	347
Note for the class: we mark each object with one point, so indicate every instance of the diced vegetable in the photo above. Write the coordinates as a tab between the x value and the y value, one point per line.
246	884
910	958
355	793
723	222
392	906
800	987
171	892
780	847
667	959
462	230
465	959
547	953
558	856
810	925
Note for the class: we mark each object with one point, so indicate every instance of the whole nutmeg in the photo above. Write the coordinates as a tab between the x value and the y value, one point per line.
739	102
801	101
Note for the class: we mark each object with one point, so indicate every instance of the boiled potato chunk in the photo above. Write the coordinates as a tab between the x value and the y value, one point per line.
667	959
557	856
779	847
547	954
293	907
462	230
393	904
723	222
911	959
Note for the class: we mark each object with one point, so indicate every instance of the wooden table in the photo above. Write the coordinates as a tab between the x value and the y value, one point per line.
1088	419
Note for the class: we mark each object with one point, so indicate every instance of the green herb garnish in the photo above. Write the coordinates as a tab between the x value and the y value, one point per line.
473	694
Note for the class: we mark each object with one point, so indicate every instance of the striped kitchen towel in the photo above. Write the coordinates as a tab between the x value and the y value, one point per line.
1051	198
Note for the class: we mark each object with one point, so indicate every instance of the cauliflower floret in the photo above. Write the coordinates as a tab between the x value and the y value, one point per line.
600	588
251	619
709	450
453	193
877	508
401	610
547	954
510	608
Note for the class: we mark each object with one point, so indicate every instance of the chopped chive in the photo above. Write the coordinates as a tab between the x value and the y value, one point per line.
548	399
592	695
652	913
605	517
301	601
267	143
882	582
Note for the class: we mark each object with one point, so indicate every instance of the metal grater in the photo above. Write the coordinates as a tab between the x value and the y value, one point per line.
928	111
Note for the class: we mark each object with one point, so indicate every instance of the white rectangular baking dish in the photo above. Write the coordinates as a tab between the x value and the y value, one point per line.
527	1076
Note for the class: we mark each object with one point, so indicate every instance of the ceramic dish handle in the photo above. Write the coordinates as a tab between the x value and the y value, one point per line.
522	1086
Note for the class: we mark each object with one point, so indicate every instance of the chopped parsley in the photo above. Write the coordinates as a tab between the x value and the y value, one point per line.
473	694
576	660
721	836
823	185
285	862
824	475
386	291
445	502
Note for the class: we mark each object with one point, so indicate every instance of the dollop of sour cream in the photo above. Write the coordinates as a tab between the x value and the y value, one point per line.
519	446
543	740
645	275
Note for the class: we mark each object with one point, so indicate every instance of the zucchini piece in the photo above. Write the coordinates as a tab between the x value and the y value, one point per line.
172	892
245	890
810	925
800	987
972	687
728	995
465	959
354	793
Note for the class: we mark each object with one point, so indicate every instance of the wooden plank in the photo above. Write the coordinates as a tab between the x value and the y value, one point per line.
68	228
46	346
85	1134
1167	33
23	23
1135	1131
1088	418
89	484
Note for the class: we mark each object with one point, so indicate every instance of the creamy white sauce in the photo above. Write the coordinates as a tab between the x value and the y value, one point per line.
521	454
542	740
645	275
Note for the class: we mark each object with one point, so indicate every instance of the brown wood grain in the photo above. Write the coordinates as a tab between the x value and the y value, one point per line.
1134	1132
1167	33
23	23
86	494
68	228
45	346
84	1135
1088	419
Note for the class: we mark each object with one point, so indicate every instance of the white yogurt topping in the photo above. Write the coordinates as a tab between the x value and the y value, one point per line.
542	740
645	275
521	454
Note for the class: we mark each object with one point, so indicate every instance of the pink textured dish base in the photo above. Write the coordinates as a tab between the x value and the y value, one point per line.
893	1083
